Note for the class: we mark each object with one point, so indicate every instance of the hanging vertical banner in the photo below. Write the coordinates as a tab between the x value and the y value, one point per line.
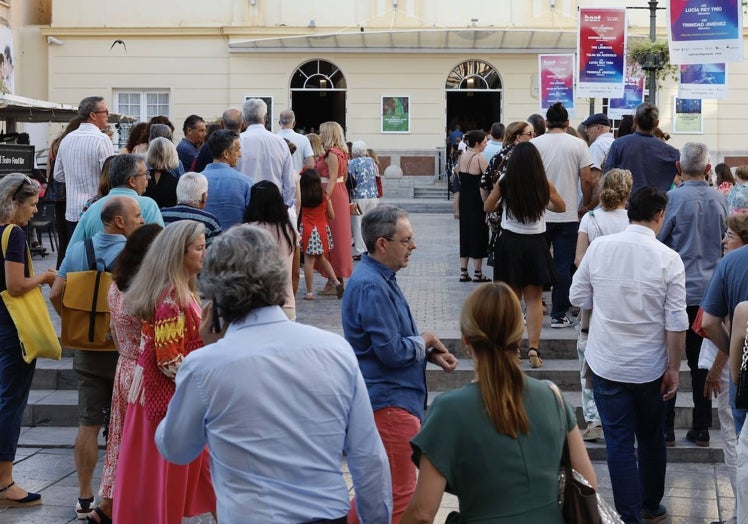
556	81
601	46
633	93
703	81
705	31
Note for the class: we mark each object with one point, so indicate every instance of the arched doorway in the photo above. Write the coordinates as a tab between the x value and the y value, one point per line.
318	95
473	90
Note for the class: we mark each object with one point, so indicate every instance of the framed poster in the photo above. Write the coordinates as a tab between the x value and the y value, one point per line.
703	81
601	48
556	82
395	114
269	101
705	32
687	116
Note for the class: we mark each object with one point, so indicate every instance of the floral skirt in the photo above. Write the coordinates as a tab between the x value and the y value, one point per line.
313	243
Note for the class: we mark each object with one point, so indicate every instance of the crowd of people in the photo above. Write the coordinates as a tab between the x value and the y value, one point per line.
235	409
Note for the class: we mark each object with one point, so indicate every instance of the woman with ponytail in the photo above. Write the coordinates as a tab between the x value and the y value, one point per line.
497	442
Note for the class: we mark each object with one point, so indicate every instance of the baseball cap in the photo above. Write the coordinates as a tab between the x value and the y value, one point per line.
597	118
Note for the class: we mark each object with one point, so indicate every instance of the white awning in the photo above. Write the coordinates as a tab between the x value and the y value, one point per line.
15	109
418	41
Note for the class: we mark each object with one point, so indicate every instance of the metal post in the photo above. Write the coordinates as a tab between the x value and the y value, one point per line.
652	38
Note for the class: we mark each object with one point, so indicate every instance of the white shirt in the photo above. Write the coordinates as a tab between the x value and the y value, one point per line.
599	149
265	156
303	147
79	160
598	222
636	287
563	157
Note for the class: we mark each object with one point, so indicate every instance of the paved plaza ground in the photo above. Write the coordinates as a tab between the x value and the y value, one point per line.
695	492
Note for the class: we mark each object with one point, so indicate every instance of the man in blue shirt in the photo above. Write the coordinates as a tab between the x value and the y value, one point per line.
228	189
194	135
95	369
392	355
693	226
276	402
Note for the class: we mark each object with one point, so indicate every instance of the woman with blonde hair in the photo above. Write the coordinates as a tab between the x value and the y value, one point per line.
505	428
332	167
316	144
610	217
162	295
161	158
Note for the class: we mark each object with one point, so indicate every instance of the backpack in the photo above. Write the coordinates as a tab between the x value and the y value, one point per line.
85	310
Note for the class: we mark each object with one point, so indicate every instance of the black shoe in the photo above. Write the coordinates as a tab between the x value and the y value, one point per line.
654	515
670	438
700	437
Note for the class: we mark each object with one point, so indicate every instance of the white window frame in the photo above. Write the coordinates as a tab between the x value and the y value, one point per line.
143	115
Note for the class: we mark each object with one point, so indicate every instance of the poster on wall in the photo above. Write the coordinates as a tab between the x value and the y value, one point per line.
7	73
556	82
633	93
269	102
705	31
687	116
601	47
395	114
704	81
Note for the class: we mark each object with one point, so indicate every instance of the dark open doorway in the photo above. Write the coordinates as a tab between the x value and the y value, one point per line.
473	110
314	107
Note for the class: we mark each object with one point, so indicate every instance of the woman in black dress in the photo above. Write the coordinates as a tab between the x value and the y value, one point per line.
473	227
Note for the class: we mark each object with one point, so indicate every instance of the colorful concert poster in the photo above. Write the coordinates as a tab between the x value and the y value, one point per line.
601	48
633	93
703	81
556	81
705	31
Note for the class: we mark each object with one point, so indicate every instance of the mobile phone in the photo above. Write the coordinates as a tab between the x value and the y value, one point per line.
216	318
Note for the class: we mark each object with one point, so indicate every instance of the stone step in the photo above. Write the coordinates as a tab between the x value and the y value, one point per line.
434	192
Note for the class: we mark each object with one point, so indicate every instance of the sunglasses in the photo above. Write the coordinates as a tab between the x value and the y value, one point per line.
26	180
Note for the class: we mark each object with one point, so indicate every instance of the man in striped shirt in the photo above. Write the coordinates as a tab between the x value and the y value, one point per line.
81	156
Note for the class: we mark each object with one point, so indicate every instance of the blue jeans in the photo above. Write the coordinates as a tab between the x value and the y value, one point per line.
631	412
15	383
563	237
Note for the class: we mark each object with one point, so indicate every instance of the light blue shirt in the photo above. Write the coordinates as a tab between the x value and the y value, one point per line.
228	193
492	147
277	403
106	247
90	222
693	226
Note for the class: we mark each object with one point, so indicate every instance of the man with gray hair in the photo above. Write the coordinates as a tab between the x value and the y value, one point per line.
693	226
128	176
303	157
289	449
192	194
391	352
265	156
81	156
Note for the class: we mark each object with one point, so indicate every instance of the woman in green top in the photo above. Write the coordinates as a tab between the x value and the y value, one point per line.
495	443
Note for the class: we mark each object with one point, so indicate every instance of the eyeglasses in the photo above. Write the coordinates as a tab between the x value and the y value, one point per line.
26	180
101	111
529	133
404	241
729	235
147	175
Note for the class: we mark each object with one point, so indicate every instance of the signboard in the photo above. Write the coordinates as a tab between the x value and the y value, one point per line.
16	158
687	116
705	31
395	114
601	46
633	93
704	81
556	82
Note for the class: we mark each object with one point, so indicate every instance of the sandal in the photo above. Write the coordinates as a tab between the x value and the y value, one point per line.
478	276
339	289
103	519
31	499
309	296
464	277
535	360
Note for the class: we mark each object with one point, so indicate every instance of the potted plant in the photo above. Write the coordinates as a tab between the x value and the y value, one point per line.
652	56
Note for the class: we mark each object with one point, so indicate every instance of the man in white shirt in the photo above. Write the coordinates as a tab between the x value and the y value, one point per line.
303	157
265	155
81	156
600	136
636	288
567	161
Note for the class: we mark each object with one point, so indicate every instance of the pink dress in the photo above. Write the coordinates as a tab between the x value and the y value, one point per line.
127	329
147	487
340	257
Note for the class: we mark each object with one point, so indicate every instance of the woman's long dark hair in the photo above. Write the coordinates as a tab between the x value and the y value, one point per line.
524	188
311	188
266	205
128	261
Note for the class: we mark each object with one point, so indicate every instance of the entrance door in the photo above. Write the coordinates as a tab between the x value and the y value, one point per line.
318	92
473	90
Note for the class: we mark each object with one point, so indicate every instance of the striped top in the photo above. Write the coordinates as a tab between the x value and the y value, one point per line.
185	212
78	165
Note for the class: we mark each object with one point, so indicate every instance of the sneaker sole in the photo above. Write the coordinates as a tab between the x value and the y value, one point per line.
559	326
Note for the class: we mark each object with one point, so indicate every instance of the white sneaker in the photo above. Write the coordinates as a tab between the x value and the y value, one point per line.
562	322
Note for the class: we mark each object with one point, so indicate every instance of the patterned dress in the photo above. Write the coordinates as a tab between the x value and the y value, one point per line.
127	329
316	238
146	485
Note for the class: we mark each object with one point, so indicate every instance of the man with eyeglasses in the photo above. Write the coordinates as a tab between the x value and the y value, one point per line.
81	156
391	353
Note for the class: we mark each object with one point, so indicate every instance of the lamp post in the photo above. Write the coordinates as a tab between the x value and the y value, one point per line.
654	62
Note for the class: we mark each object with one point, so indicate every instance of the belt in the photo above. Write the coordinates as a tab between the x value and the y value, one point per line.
341	520
325	179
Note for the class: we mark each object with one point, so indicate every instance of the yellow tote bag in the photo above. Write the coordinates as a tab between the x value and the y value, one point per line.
31	317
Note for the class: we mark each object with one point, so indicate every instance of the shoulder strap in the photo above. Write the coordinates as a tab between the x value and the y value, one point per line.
565	457
594	221
6	238
90	255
